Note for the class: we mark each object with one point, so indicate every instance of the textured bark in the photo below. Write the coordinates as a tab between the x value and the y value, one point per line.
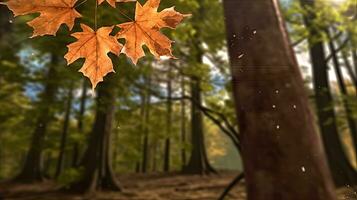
98	173
282	153
342	171
62	150
80	117
33	167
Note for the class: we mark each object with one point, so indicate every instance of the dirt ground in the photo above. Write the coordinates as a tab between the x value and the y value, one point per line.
146	187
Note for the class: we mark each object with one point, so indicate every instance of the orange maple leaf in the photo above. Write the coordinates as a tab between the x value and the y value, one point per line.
145	30
53	13
94	46
112	2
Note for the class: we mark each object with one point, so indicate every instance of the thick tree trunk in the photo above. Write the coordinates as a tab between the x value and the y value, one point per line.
33	167
80	117
167	148
198	162
341	84
342	171
62	150
183	123
283	157
98	173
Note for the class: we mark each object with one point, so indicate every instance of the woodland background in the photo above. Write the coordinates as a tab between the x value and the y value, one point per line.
171	124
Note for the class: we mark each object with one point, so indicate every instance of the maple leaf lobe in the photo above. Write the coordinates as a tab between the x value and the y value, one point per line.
94	47
145	30
53	13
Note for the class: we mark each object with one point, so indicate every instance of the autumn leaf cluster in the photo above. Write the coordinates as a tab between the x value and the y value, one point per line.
94	44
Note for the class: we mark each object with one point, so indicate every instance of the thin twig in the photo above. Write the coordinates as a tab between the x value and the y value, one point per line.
95	15
81	3
231	185
125	15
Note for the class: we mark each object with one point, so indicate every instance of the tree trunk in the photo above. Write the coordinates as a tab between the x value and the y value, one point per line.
167	148
33	167
147	101
66	122
183	124
198	163
283	157
342	171
98	172
341	84
155	147
80	117
5	22
5	29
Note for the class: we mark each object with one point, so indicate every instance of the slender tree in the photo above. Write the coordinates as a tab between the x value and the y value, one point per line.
342	171
66	123
33	167
147	102
343	89
280	153
80	121
167	148
5	28
183	123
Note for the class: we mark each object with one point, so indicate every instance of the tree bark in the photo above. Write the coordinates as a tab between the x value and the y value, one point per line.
66	122
33	167
279	152
342	171
98	173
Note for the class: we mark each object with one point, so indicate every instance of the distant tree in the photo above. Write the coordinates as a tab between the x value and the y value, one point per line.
342	171
65	130
80	122
32	169
167	147
198	162
97	163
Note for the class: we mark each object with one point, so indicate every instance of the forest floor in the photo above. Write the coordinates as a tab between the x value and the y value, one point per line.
146	187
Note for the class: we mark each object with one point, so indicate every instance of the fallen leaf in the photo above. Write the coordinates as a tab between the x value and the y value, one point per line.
112	2
145	30
53	13
94	46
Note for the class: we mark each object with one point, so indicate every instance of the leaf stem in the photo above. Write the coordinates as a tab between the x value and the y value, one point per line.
125	15
81	3
95	15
